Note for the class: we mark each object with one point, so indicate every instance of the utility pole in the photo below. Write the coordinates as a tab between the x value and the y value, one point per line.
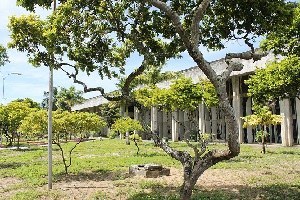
50	119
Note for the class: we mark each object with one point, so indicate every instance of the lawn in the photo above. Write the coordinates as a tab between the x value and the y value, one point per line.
99	170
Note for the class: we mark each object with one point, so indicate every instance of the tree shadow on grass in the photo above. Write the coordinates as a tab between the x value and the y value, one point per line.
99	175
151	154
11	165
225	192
284	152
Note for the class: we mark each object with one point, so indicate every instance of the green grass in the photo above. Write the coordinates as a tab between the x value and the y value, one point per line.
275	175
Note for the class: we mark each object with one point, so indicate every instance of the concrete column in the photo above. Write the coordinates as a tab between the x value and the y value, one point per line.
154	120
201	118
181	125
298	119
122	110
223	126
249	128
136	116
236	103
186	124
136	113
160	123
174	126
207	120
214	122
165	124
286	125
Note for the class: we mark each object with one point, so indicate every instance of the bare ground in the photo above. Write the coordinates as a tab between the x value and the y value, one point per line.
118	189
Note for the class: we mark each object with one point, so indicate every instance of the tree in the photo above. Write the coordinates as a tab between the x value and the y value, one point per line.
66	98
126	125
32	104
3	56
101	35
63	98
280	79
11	117
45	101
34	124
110	112
183	95
262	117
78	124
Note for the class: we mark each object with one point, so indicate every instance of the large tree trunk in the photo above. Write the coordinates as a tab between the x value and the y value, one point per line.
189	181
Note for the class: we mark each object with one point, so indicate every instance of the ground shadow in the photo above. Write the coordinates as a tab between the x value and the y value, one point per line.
99	175
151	154
283	152
225	192
11	165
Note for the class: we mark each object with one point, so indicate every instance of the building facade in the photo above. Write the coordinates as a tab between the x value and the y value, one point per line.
172	125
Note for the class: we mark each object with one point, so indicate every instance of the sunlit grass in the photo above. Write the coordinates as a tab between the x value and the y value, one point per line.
277	170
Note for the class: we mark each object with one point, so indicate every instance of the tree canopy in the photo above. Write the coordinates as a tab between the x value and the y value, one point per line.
183	94
280	79
100	36
3	56
63	98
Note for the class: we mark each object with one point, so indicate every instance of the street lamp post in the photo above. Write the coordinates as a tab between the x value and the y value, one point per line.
3	93
3	82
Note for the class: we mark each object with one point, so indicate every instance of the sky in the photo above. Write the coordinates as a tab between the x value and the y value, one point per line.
34	81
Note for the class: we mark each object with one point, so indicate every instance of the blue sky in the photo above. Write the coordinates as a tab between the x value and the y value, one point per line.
34	81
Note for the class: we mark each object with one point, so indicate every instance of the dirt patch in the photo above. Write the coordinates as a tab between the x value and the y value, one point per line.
118	189
6	185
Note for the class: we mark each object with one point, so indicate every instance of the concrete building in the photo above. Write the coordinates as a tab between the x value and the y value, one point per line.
171	125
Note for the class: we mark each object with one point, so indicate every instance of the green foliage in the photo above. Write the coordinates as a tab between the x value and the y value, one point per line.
3	56
285	40
32	104
12	115
261	135
31	4
280	79
232	19
111	162
63	98
135	137
77	124
35	124
183	94
126	124
262	116
151	76
68	97
110	112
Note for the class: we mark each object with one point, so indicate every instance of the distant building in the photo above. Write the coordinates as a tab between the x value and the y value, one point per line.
211	120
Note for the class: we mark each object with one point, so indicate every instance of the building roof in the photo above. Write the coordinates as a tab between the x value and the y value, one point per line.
195	74
89	103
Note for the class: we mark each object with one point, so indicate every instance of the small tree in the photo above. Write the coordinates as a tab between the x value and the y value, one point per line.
64	124
11	116
78	123
261	118
126	124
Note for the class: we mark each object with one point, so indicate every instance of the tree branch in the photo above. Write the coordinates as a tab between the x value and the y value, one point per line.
192	48
231	66
248	55
198	15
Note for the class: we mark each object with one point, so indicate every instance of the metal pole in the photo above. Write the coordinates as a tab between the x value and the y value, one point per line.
50	120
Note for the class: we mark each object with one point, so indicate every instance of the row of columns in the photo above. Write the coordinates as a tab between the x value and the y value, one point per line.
169	124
